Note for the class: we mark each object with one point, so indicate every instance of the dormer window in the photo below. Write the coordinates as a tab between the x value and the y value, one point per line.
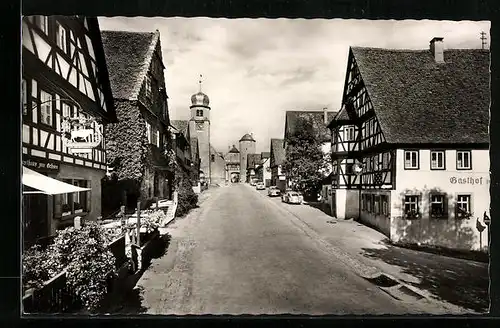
148	86
61	38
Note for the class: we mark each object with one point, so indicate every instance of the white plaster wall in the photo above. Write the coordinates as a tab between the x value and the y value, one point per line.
451	232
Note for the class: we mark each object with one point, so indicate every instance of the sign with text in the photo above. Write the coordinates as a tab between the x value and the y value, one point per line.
470	180
40	164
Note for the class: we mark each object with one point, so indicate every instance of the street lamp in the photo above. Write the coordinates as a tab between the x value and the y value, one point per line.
358	170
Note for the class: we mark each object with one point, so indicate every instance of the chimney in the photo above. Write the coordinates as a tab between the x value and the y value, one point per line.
325	115
437	49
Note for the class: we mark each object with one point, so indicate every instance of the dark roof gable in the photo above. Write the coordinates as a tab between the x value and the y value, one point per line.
181	125
277	151
316	117
417	100
128	55
253	160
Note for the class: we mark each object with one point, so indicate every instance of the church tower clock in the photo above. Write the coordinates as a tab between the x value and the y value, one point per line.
199	126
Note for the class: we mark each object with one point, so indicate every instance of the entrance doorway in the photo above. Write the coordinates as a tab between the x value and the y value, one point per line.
35	217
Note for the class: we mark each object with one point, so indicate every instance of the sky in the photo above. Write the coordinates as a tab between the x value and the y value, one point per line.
254	70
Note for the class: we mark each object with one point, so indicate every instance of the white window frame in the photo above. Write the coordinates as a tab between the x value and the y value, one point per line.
433	200
148	132
463	199
413	155
46	109
460	159
414	201
349	133
435	161
43	24
62	37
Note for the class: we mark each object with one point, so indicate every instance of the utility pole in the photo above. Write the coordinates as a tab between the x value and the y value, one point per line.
483	40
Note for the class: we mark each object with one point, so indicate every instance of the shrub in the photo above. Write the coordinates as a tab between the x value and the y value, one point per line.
88	261
187	198
84	254
39	265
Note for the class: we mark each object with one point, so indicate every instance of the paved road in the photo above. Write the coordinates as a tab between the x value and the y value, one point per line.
240	254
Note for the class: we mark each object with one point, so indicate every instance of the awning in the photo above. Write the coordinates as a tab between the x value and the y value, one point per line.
47	185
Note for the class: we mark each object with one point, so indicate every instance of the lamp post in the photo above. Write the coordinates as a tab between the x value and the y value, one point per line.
358	170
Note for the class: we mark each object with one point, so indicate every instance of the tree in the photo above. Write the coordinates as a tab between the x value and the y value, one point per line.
304	162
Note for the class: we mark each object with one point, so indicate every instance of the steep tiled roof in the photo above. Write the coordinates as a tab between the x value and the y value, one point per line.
128	55
277	151
265	154
417	100
215	152
316	117
181	125
253	160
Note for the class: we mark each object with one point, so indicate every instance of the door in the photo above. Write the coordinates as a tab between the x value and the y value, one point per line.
35	220
333	203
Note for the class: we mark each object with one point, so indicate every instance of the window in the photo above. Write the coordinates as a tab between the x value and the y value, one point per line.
384	201
199	112
61	38
376	204
24	90
437	160
463	207
438	207
148	86
464	160
148	131
349	133
411	209
158	138
213	157
369	205
349	168
45	108
67	110
43	23
411	159
75	203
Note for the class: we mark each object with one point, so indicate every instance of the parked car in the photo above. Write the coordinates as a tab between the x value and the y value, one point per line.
292	197
260	186
273	191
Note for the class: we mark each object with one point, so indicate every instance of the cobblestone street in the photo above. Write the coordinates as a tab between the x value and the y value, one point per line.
240	253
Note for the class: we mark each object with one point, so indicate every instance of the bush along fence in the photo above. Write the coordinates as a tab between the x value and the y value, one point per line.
86	262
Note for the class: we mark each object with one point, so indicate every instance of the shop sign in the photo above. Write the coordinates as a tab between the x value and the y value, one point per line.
469	180
40	164
81	134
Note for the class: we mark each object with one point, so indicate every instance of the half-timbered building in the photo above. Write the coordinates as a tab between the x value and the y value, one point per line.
66	101
263	170
410	144
138	145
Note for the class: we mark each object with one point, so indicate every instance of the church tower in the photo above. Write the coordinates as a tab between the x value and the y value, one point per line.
199	126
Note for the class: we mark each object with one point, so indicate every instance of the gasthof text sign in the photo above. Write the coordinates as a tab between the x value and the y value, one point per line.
469	180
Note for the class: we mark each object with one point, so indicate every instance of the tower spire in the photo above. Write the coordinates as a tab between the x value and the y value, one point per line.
200	81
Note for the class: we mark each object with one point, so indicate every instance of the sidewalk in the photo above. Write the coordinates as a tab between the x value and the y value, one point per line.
460	283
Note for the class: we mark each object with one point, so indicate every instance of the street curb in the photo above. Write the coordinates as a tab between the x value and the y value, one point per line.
362	270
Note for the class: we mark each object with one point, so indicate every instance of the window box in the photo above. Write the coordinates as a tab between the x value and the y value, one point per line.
411	207
438	206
